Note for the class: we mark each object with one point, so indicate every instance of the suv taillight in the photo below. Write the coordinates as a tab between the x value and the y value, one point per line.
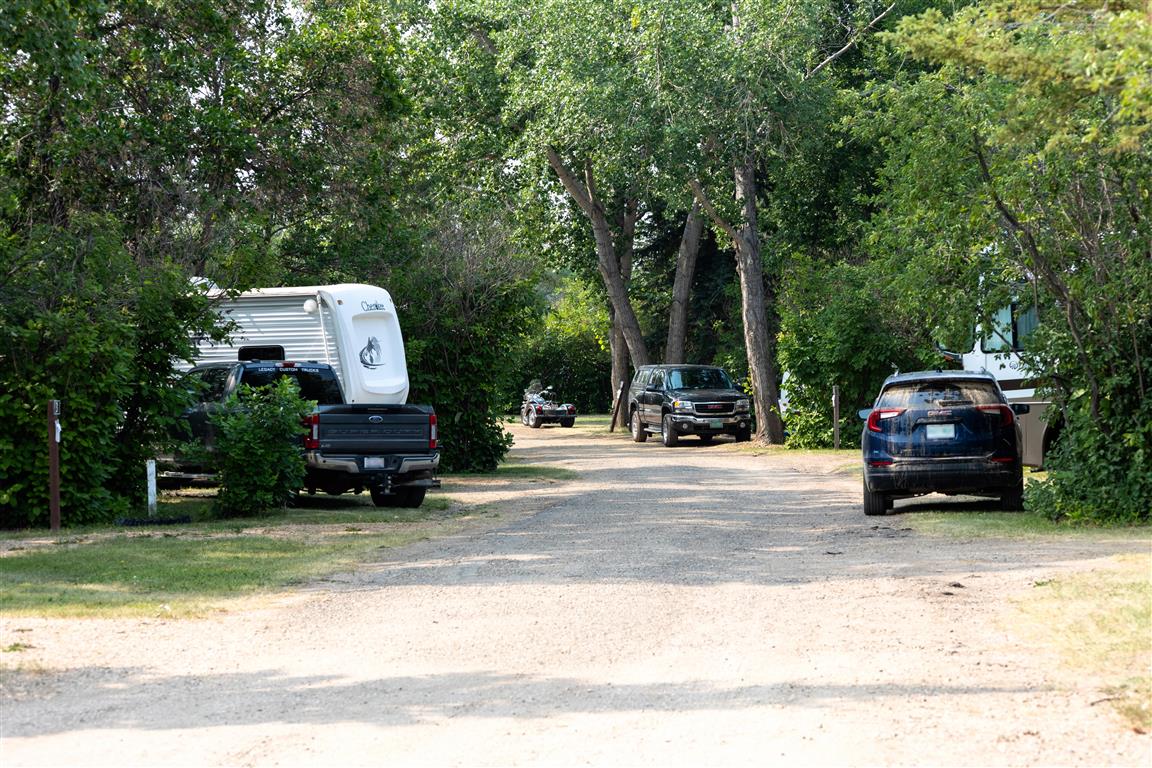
312	439
882	414
433	432
1006	414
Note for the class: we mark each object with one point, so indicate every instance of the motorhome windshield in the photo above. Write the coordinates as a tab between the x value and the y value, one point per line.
1011	325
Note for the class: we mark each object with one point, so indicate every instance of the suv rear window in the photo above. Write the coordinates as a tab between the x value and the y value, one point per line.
315	383
938	394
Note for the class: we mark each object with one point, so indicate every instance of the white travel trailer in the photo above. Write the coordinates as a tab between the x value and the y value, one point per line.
352	327
997	351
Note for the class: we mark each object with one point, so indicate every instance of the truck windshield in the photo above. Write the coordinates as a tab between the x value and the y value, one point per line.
317	384
698	378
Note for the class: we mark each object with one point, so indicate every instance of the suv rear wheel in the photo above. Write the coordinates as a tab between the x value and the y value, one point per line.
1013	500
874	503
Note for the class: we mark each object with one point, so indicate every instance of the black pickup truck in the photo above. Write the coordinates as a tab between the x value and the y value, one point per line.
390	450
677	400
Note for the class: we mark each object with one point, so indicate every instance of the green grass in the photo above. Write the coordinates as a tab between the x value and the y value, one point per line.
976	524
1101	622
514	469
165	573
179	570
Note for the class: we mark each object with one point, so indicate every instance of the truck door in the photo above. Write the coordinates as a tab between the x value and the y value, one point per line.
654	397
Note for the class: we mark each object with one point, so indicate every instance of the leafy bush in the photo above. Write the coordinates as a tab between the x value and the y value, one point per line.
568	351
259	457
837	330
80	322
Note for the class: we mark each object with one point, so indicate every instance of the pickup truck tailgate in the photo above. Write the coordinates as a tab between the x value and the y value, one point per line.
374	429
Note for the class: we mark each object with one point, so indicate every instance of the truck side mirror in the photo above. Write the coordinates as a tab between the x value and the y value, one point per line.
864	413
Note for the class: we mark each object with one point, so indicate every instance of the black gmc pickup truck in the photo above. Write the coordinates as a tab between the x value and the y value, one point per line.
677	400
390	450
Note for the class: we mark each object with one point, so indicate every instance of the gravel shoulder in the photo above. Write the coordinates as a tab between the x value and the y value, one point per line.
702	605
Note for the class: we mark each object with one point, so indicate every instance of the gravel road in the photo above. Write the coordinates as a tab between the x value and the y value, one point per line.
697	606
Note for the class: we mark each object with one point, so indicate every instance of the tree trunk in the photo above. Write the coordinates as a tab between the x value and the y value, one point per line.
619	348
758	342
608	259
682	287
757	335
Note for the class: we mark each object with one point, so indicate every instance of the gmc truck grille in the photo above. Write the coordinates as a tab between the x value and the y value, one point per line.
714	409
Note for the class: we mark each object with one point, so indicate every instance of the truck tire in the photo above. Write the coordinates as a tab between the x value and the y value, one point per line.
874	503
411	497
667	433
400	497
638	433
743	435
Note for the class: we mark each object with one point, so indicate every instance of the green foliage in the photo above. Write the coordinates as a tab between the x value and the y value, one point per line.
65	335
1020	156
568	351
80	322
837	330
259	458
1098	476
464	311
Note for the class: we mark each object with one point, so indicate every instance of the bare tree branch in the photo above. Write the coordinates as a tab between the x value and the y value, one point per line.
851	43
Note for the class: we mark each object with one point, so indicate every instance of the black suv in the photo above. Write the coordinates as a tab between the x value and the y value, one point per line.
677	400
947	432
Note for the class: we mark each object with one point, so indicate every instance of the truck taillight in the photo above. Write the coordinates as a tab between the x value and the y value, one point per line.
433	434
312	440
880	414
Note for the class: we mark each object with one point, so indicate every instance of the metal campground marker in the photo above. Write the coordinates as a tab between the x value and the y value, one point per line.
54	464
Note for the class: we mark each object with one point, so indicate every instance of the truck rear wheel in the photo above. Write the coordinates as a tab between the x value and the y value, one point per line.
401	497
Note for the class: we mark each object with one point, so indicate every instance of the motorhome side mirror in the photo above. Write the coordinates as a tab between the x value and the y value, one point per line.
864	413
1021	408
952	357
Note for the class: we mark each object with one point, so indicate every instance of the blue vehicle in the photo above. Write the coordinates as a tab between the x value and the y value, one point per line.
951	432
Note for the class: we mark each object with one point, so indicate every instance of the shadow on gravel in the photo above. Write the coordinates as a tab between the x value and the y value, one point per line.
704	523
128	699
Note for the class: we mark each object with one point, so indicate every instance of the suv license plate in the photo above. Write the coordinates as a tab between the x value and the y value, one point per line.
940	431
716	424
373	462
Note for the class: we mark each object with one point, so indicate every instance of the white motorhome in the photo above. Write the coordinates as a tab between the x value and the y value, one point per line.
352	327
997	350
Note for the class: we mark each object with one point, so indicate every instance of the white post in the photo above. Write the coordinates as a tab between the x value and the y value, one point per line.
151	465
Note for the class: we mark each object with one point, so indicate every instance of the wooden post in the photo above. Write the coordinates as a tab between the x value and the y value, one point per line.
836	416
616	405
54	464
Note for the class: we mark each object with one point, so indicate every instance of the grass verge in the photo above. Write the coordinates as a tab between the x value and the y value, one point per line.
1101	623
981	520
188	570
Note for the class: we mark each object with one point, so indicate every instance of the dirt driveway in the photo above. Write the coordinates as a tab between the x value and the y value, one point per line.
692	606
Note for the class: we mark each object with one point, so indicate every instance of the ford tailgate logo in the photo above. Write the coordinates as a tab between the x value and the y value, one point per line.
375	419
